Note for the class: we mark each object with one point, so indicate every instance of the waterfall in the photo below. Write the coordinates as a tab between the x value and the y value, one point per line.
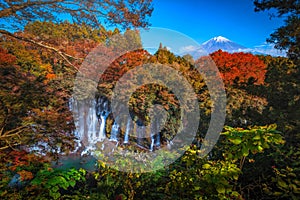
115	132
127	131
93	124
140	132
102	134
103	110
90	118
85	120
155	136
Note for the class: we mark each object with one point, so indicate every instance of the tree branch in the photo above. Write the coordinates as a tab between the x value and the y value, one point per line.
17	7
64	56
12	133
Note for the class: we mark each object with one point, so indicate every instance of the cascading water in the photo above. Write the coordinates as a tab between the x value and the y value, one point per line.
115	132
86	123
127	131
140	132
90	118
103	110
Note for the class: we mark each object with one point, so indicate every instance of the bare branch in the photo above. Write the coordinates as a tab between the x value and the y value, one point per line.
5	147
13	130
12	133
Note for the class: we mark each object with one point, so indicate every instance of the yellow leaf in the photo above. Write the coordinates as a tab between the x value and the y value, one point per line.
206	166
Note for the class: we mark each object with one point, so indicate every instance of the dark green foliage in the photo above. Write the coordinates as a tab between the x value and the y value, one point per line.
57	182
190	177
288	36
282	92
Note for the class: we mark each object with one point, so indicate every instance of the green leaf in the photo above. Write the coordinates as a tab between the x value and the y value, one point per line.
220	189
282	184
235	176
72	183
257	137
54	189
36	181
196	188
54	195
245	151
235	194
53	181
259	148
292	174
236	141
277	193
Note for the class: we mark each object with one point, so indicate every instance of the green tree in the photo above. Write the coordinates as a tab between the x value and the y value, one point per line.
282	92
287	36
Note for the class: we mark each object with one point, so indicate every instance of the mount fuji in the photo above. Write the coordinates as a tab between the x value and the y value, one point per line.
222	43
227	45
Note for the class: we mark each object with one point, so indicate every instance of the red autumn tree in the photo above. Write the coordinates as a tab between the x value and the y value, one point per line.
239	68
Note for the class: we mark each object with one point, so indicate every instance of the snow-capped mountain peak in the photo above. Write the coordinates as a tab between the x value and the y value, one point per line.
227	45
221	42
217	39
221	39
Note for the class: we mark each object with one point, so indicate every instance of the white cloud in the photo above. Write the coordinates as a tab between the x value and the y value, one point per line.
269	49
168	48
188	49
195	51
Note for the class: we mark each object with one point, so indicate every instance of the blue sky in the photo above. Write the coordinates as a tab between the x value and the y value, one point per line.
203	19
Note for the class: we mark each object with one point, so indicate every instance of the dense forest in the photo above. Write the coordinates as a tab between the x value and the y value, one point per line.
257	155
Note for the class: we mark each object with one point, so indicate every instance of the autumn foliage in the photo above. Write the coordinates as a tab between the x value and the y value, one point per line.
6	58
36	85
239	68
